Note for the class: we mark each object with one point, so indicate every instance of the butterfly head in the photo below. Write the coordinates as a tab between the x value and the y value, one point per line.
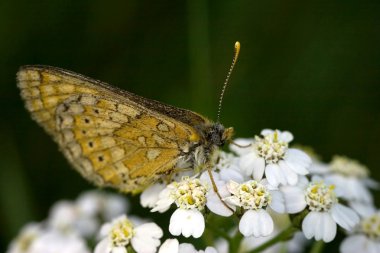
218	135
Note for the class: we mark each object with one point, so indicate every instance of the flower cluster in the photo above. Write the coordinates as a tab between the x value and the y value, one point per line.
270	188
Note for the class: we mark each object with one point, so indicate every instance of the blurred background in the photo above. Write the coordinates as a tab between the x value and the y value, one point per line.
311	67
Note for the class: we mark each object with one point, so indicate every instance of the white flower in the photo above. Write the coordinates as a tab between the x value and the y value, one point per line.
325	213
349	176
98	203
58	242
271	155
254	197
190	197
173	246
366	239
28	234
121	233
63	216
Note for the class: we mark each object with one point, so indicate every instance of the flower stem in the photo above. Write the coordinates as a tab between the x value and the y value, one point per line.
283	236
234	242
218	231
317	247
130	249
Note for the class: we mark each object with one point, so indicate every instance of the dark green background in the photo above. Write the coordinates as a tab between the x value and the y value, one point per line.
311	67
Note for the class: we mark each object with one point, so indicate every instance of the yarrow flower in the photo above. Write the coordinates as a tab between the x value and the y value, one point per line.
270	154
253	197
366	238
262	182
35	239
121	232
352	183
325	213
189	195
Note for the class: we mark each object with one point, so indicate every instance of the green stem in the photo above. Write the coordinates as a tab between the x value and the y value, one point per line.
283	236
218	232
130	249
234	242
317	247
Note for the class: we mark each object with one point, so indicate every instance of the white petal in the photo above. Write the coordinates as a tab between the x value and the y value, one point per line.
278	202
186	248
344	216
232	174
291	176
187	222
210	250
215	205
256	223
246	163
102	246
274	175
164	202
294	198
327	228
169	246
266	131
286	136
258	168
298	161
146	238
355	244
309	223
149	197
242	142
363	209
319	225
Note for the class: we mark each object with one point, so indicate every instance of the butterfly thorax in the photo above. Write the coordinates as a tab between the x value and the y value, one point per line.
213	136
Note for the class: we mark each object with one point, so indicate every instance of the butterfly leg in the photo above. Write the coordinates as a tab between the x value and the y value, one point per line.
215	188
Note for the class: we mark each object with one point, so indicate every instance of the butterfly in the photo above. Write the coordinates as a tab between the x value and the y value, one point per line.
113	137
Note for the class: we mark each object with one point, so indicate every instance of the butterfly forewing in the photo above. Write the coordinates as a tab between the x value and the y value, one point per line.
112	138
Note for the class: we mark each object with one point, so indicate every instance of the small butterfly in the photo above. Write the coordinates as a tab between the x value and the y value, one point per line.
113	137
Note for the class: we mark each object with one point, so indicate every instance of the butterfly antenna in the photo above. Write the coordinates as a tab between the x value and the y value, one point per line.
234	60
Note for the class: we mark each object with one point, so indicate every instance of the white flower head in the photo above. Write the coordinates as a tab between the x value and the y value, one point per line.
325	213
190	197
270	154
367	237
58	242
29	233
351	180
348	167
121	232
254	197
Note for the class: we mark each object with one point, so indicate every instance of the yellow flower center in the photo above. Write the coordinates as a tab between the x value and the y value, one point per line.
348	167
121	232
189	194
253	195
320	197
270	147
371	226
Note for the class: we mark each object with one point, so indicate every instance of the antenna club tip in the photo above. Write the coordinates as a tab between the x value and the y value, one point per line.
237	50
